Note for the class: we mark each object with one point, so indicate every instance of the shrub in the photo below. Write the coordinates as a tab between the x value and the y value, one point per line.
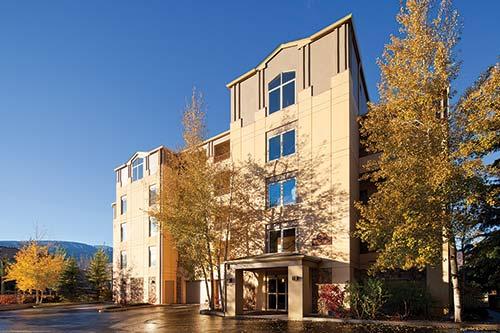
8	299
366	298
331	300
26	299
407	299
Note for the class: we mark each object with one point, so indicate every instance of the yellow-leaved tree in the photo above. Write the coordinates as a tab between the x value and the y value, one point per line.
427	174
35	269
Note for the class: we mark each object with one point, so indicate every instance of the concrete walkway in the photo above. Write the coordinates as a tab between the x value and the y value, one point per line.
407	323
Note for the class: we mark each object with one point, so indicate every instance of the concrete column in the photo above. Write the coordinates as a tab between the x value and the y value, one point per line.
235	295
260	292
299	291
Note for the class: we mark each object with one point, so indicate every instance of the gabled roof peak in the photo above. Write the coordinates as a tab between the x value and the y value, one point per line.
299	43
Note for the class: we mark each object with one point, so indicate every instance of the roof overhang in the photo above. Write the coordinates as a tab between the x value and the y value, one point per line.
136	154
274	260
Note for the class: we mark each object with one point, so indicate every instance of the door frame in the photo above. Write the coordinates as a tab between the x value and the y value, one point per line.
276	277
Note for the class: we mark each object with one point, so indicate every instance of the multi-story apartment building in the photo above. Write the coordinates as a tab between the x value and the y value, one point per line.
296	115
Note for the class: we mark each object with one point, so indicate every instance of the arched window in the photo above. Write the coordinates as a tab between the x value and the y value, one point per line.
281	91
137	169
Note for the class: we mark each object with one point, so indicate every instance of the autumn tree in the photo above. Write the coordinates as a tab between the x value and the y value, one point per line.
98	273
35	269
187	206
426	174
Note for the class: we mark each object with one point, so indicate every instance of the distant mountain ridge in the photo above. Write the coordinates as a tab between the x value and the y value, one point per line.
80	251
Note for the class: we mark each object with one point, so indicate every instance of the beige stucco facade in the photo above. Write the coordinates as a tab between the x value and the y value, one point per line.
143	255
329	94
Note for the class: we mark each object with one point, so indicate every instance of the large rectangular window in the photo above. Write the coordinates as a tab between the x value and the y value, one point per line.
123	232
123	259
152	256
281	91
153	194
281	240
123	205
281	145
153	226
281	193
137	169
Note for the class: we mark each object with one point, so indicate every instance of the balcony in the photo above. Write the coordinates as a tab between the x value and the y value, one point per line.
222	151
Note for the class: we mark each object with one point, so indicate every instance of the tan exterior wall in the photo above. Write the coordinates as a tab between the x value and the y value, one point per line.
326	132
330	96
137	241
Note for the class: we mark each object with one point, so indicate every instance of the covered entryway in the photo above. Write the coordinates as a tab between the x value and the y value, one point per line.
284	283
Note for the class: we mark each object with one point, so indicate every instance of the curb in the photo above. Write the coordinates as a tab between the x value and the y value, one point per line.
126	308
212	313
15	307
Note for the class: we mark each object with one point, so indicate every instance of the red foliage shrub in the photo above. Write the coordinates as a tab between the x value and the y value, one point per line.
8	299
331	299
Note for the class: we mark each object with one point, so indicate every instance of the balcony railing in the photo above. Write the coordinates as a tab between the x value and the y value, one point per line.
221	157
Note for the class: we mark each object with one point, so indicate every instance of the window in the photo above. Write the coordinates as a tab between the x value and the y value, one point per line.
123	176
282	240
281	91
281	193
113	206
137	169
281	145
222	151
123	259
153	194
123	232
153	163
152	256
153	226
363	196
123	205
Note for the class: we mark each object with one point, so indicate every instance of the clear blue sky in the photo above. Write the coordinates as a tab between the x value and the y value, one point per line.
83	84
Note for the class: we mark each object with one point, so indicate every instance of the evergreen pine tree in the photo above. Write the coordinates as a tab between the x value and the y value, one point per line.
70	284
98	275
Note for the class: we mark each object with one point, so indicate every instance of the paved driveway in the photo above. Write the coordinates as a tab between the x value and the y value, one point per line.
179	318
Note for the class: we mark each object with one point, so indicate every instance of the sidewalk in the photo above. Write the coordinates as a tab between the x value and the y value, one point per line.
408	323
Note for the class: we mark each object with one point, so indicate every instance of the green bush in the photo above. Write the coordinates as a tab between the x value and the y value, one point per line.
366	298
407	299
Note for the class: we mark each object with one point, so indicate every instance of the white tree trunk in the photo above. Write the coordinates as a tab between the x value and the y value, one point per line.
457	303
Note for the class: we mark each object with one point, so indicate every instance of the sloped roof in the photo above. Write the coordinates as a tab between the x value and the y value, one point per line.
298	42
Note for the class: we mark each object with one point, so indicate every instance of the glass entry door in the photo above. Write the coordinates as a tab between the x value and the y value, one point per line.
277	292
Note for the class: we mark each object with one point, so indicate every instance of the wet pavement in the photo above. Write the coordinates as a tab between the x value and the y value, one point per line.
180	318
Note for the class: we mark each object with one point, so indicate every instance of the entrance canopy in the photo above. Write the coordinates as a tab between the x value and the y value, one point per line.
288	287
273	260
